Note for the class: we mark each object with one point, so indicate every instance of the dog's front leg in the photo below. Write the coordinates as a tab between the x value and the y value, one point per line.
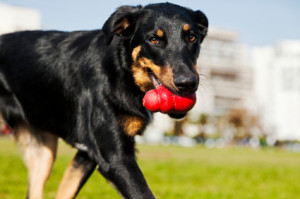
122	170
75	176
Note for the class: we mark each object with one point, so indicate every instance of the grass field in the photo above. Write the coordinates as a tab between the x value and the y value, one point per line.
176	173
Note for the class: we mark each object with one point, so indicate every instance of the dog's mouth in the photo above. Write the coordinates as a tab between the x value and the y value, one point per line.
154	79
163	100
157	83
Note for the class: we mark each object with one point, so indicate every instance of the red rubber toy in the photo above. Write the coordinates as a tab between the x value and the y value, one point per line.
162	100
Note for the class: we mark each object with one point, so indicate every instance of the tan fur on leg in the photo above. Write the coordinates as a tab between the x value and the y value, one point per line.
39	151
71	182
75	176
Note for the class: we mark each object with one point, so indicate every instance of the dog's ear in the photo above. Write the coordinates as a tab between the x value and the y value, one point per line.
122	22
202	23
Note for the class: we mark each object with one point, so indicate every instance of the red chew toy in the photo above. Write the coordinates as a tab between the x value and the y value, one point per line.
161	99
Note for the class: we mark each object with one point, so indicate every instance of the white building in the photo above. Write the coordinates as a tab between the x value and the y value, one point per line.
15	18
226	83
277	88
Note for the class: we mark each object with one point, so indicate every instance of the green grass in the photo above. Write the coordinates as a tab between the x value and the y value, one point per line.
176	173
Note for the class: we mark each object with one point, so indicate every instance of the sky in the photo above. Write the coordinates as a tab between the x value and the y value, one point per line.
258	22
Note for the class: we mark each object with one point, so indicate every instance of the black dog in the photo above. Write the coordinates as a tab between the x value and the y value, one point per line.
87	88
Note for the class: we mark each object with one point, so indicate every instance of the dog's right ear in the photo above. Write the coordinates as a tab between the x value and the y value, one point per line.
121	23
202	23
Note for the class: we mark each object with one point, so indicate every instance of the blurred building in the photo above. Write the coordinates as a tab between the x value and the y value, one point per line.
15	18
277	88
226	75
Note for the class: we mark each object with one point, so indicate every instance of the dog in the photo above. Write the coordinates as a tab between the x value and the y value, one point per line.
87	87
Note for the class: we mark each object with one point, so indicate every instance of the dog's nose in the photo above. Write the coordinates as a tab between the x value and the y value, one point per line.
186	84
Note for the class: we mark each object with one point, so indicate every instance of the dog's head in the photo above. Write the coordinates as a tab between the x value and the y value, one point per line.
164	43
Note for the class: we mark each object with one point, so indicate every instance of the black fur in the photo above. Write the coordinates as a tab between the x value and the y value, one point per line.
76	85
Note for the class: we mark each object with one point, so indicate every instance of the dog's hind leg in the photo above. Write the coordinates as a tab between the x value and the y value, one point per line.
77	173
39	151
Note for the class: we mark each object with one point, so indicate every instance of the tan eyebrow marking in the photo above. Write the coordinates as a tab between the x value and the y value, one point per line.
186	27
160	33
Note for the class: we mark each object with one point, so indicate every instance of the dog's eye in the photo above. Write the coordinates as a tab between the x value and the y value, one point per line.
192	38
154	40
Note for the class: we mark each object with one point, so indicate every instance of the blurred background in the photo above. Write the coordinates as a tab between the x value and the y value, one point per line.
249	65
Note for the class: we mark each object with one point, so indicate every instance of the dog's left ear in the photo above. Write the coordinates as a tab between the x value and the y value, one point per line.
121	23
202	23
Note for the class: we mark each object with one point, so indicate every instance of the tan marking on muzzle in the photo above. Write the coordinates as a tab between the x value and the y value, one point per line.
139	70
135	53
141	76
167	77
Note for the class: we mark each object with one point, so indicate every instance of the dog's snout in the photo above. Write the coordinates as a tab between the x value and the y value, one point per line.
186	84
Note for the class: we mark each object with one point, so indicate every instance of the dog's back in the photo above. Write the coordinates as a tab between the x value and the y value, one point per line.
41	72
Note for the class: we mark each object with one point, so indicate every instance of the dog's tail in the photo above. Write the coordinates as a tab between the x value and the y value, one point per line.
10	108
